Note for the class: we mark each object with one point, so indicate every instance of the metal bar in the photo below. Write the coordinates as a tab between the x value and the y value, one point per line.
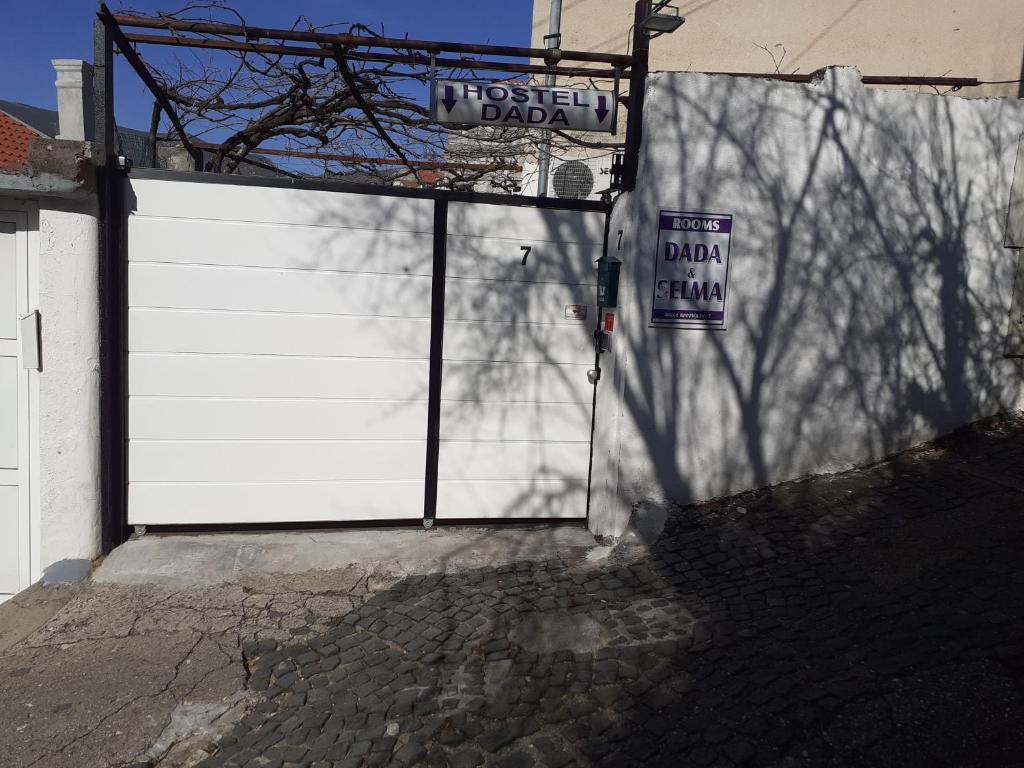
615	106
637	86
599	74
331	185
952	82
597	367
554	39
103	88
113	304
325	53
436	351
363	160
136	62
317	525
154	129
433	85
1020	85
550	56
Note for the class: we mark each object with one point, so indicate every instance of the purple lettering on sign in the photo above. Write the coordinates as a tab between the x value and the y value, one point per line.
517	103
688	314
691	270
678	222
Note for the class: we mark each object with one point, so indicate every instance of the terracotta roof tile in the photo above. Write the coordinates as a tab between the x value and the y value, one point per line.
14	141
422	179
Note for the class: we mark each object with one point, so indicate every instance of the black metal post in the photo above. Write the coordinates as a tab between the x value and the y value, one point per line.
637	86
597	369
1020	88
113	301
117	38
436	351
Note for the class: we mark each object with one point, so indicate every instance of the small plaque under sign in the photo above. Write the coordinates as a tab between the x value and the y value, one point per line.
575	311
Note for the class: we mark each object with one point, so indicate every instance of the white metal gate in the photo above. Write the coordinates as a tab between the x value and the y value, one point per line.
516	403
280	356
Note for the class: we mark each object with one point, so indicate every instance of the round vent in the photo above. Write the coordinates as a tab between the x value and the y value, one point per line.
573	180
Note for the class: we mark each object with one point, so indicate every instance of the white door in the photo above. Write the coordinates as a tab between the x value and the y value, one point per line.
279	345
14	409
516	404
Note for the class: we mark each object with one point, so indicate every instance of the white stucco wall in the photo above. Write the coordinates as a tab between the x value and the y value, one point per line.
869	290
69	444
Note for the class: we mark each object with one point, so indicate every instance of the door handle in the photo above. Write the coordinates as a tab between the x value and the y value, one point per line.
31	349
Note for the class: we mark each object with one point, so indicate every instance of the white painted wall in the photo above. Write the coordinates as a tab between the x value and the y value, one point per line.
869	287
69	394
64	395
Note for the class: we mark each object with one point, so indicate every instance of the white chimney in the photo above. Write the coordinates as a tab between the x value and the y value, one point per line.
75	103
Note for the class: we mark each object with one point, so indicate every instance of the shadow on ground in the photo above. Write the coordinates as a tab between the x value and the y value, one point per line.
871	618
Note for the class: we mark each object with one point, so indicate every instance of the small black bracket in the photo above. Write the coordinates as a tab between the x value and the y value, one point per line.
618	160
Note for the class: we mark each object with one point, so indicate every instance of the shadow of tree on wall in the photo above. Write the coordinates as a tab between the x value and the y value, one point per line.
869	290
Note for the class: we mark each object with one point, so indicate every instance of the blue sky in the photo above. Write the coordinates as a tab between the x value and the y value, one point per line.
35	31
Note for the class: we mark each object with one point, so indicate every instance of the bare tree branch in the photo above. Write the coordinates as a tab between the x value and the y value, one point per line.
235	102
354	88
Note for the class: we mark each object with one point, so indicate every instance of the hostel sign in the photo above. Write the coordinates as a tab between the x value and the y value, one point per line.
528	106
691	270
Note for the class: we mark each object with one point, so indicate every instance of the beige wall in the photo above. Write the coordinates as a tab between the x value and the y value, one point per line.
958	38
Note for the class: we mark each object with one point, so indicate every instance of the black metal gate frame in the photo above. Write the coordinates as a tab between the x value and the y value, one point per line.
114	317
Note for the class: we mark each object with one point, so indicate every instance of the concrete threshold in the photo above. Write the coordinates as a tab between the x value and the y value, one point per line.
218	558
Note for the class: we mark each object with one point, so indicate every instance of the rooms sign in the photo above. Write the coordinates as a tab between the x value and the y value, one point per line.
530	106
691	270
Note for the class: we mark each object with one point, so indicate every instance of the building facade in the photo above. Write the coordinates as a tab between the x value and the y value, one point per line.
955	38
983	39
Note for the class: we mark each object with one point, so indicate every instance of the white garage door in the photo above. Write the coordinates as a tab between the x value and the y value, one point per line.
515	400
278	354
279	362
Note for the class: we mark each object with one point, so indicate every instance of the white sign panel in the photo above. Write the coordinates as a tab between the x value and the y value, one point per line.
691	270
530	106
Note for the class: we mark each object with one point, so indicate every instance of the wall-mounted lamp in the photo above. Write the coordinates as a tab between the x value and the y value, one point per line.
663	19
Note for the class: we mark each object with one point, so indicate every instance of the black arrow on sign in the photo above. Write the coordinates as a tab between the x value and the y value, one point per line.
449	97
600	109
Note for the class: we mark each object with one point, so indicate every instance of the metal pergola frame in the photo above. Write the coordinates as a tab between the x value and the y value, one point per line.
326	46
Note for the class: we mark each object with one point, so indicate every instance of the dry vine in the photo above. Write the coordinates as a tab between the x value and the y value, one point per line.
344	115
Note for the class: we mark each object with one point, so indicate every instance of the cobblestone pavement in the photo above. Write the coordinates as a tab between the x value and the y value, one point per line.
872	618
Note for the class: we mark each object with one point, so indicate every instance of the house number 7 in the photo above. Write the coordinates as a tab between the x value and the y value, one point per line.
526	252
